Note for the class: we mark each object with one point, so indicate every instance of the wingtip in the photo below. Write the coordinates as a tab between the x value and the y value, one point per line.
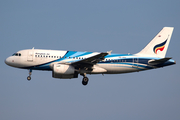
109	52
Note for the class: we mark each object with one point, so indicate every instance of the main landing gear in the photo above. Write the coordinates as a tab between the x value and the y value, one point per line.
85	79
29	77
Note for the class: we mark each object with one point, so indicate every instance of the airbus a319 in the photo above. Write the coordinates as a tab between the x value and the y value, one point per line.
70	64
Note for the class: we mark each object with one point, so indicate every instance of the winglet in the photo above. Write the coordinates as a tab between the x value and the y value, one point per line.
109	52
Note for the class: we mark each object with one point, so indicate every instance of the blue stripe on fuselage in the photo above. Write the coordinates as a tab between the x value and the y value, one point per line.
127	59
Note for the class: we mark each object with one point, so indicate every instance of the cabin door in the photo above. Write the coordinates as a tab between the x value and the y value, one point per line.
136	60
30	55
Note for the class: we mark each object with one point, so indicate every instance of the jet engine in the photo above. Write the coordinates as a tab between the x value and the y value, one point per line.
64	71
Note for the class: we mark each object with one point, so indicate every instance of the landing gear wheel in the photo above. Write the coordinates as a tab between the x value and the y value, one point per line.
85	81
28	78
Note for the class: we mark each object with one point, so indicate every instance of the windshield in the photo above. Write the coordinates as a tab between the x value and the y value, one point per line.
16	54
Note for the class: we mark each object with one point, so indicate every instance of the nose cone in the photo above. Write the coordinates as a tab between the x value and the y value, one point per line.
7	61
10	61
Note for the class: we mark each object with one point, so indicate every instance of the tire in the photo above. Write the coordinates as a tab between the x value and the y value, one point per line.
28	78
85	81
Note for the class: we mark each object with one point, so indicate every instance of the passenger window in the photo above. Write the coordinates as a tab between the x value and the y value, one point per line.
19	54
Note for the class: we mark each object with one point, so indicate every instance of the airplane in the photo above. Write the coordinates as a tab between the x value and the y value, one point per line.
69	64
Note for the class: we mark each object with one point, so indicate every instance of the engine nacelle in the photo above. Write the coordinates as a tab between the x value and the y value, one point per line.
64	71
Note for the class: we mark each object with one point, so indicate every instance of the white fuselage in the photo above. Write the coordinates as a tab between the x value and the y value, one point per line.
38	59
69	64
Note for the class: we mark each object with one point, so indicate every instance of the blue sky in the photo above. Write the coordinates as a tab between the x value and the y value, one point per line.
97	25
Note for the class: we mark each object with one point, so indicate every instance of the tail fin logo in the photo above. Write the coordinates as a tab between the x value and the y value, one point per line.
160	47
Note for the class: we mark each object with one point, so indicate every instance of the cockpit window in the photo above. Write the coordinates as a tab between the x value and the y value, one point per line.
16	54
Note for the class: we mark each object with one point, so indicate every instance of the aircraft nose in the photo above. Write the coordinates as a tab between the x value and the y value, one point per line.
7	61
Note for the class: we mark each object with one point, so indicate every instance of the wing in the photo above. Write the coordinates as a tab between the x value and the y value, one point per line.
89	62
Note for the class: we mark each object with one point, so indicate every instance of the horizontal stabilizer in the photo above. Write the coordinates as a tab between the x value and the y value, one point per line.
157	62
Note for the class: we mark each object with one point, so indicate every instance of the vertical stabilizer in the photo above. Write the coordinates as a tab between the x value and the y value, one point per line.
159	44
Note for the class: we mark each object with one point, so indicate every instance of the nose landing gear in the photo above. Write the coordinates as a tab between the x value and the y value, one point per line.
29	77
